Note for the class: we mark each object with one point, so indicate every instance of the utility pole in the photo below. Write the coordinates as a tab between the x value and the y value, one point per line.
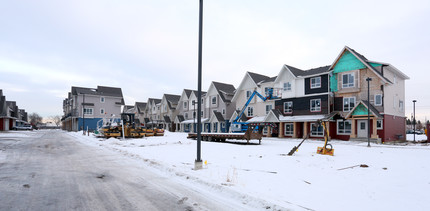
368	79
198	161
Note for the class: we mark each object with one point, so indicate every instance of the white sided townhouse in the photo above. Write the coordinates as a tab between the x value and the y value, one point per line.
186	120
219	107
152	113
168	111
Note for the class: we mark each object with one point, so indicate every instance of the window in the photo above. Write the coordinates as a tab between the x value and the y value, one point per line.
289	129
214	126
102	99
268	91
288	107
348	80
165	108
201	113
268	108
185	105
153	108
214	100
287	86
193	102
317	130
348	103
248	94
378	100
379	125
102	111
88	111
222	124
401	105
250	111
315	82
223	111
315	105
194	114
186	115
344	127
265	130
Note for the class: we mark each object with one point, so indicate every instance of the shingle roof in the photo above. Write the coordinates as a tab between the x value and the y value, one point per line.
172	100
167	119
226	91
257	78
140	106
219	116
101	90
180	118
314	71
188	92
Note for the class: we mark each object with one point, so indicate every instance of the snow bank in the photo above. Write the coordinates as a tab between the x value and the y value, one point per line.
394	179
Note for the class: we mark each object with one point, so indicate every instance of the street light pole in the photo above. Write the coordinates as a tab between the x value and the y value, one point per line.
414	101
368	79
198	161
83	115
194	116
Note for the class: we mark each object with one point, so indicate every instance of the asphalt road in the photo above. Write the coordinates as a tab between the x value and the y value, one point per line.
50	171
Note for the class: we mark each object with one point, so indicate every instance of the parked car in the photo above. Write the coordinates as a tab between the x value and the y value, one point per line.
23	127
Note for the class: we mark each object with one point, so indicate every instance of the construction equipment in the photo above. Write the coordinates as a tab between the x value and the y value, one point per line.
238	126
294	149
327	149
126	128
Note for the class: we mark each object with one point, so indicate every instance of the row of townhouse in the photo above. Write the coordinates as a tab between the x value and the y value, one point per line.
10	115
336	93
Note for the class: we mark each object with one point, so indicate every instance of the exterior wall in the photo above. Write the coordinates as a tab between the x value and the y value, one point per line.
90	123
296	84
393	127
324	85
110	106
393	93
301	106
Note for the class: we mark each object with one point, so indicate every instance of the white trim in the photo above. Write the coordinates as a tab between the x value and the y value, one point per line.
291	107
382	124
350	108
379	104
102	101
314	134
285	129
337	127
316	84
310	106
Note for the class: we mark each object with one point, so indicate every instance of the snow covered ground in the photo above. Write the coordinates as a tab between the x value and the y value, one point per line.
396	177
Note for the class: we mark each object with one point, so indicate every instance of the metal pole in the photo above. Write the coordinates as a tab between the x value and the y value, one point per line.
368	111
194	116
83	115
414	101
199	84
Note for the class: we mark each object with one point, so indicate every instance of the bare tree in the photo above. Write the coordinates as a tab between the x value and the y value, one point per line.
56	119
34	118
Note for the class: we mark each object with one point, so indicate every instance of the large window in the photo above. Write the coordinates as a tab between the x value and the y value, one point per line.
88	111
288	107
378	100
348	80
287	86
268	90
250	111
315	82
348	103
289	129
268	108
344	127
315	105
317	129
185	105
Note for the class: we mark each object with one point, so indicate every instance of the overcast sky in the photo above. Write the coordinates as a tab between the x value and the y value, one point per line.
150	47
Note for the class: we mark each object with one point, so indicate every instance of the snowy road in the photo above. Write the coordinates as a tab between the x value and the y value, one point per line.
48	170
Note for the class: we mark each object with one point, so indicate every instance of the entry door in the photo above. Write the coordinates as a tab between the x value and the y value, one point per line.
362	128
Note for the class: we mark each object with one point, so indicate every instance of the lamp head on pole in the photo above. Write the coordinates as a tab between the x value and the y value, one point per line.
368	79
414	101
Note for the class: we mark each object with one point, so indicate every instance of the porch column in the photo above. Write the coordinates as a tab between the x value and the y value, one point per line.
353	130
374	131
295	129
281	130
305	125
269	131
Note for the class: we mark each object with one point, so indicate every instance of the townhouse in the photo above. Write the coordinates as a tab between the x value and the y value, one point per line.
219	107
85	107
187	106
10	114
152	113
168	110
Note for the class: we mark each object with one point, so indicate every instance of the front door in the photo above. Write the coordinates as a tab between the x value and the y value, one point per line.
362	128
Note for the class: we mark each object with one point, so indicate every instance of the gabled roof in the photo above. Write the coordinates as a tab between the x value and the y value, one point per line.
303	73
366	63
140	106
218	116
364	103
257	78
101	91
172	100
179	118
167	119
225	91
188	92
